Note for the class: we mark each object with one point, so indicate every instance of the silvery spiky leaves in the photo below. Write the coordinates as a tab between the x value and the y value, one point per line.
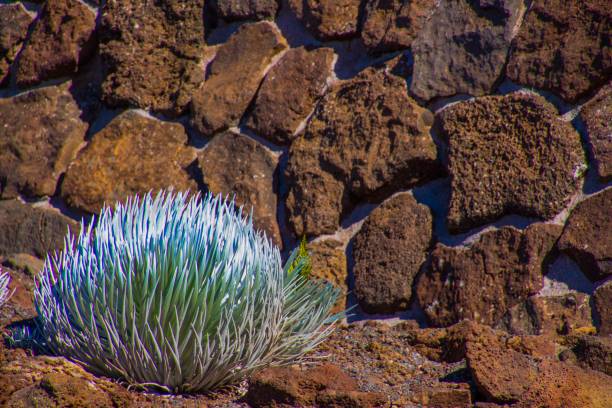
179	295
5	294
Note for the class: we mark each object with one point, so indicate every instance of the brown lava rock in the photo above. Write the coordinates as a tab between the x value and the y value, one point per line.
14	23
329	263
587	237
367	138
235	165
133	154
40	134
463	47
62	39
234	76
151	52
328	19
32	230
564	47
594	352
602	302
597	116
289	93
245	9
389	250
509	154
482	281
391	25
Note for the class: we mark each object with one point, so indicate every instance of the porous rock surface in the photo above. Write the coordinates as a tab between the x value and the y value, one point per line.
597	116
245	9
389	250
14	23
40	134
602	302
329	264
328	19
106	172
563	46
366	138
509	154
482	281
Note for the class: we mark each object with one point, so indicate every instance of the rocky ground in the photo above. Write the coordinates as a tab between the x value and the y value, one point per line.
449	161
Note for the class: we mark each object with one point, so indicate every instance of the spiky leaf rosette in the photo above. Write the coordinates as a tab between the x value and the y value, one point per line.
5	294
179	295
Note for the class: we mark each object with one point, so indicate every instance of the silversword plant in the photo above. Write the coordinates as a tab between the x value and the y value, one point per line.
5	294
180	295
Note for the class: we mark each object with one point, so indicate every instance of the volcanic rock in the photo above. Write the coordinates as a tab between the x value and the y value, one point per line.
328	19
245	9
587	237
481	282
32	230
151	52
602	302
564	47
329	263
14	23
62	39
594	352
463	47
509	154
289	92
40	134
234	76
391	25
389	250
597	116
133	154
366	139
237	166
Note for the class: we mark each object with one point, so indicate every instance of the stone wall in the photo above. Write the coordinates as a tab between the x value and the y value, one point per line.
446	159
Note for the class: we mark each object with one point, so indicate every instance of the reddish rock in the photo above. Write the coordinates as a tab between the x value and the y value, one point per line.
289	92
14	23
463	47
32	230
391	25
151	52
389	250
587	237
366	139
322	386
133	154
509	154
236	165
329	263
20	305
40	134
234	76
594	352
245	9
328	19
481	282
564	47
446	395
602	301
62	39
597	116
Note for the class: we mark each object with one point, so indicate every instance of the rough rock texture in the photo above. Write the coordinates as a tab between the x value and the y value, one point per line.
463	47
329	263
40	134
389	250
367	138
482	281
61	40
245	9
564	47
597	116
602	301
32	230
151	52
587	237
550	315
234	164
507	376
594	352
234	76
14	23
328	19
132	154
326	386
22	268
391	25
289	92
509	154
